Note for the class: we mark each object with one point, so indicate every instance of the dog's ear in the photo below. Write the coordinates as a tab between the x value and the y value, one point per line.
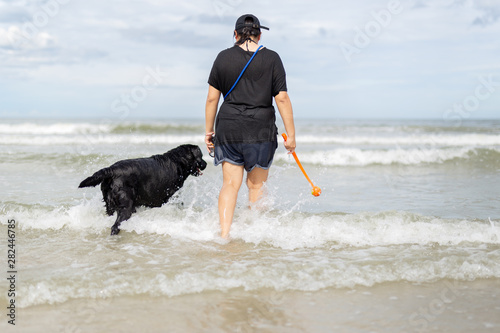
198	152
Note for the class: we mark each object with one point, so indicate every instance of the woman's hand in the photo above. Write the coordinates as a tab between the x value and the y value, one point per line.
209	141
210	112
290	144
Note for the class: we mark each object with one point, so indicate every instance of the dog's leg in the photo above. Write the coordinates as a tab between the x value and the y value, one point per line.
110	211
125	209
107	196
123	215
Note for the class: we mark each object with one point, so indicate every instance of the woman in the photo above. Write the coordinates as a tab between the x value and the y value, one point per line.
245	129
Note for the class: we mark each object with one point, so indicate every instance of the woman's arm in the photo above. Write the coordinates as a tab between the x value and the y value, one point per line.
285	108
210	112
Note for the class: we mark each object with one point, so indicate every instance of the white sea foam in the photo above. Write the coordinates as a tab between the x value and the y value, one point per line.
176	250
90	140
68	136
54	128
430	140
224	267
286	230
294	244
305	276
92	128
37	133
345	156
359	157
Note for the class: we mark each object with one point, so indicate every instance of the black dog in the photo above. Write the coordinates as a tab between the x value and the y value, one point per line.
147	181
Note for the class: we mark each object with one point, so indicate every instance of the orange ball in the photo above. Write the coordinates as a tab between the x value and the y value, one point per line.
316	191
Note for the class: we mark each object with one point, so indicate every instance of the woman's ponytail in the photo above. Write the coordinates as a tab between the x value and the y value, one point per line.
247	33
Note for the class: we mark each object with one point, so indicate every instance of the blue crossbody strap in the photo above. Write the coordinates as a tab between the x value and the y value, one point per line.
248	63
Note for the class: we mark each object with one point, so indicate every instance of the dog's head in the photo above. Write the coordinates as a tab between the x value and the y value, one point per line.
194	160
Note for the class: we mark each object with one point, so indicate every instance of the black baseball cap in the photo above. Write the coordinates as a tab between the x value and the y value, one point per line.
240	23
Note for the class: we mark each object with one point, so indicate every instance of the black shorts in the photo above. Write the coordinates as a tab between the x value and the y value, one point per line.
250	155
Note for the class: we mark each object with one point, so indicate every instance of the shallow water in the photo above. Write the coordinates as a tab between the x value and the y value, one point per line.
403	204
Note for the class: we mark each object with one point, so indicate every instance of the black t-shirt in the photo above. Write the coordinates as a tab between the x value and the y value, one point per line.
247	114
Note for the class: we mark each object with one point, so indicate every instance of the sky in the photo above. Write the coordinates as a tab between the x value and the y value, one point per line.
437	59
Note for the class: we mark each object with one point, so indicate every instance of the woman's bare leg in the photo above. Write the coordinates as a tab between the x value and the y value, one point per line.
255	181
232	176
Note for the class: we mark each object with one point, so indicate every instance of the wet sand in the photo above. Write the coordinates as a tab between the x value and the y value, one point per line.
443	306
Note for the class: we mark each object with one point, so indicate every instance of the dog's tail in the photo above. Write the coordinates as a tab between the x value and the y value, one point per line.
96	178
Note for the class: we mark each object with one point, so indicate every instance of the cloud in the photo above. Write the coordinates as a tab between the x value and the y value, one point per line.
20	38
13	14
175	37
101	48
490	12
434	3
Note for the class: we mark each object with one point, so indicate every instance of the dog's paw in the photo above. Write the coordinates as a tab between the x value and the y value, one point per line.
114	230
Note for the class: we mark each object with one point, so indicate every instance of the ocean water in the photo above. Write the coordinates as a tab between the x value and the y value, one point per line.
408	207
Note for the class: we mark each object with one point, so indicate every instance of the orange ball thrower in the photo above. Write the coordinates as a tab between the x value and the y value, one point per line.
316	191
